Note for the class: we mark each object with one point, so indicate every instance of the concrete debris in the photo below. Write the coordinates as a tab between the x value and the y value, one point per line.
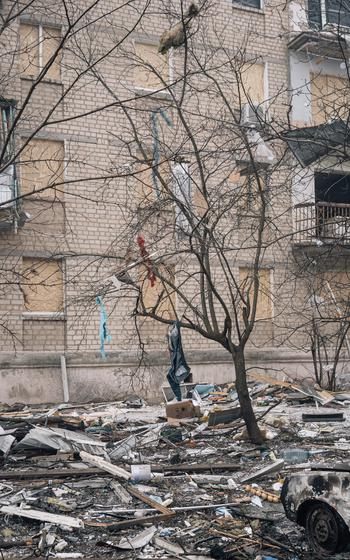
175	481
139	541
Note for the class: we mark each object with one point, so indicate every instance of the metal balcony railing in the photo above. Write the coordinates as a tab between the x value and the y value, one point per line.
321	221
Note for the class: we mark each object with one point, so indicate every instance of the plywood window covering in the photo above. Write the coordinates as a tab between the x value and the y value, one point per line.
42	285
37	45
145	187
339	283
200	204
149	59
329	98
252	83
246	191
42	165
150	294
264	304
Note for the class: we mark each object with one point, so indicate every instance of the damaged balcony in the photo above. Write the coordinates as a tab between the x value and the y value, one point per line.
320	43
327	219
329	25
317	223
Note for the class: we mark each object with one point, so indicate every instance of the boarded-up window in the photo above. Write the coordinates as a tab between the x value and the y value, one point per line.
38	45
150	67
42	285
332	286
264	304
200	204
152	184
246	191
160	294
329	98
252	84
42	164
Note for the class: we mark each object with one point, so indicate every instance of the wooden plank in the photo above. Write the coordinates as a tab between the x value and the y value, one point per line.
104	465
49	474
115	525
147	500
270	380
52	474
185	467
273	467
43	516
120	492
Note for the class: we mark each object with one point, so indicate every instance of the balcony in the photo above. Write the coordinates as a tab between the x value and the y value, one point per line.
327	43
319	223
324	29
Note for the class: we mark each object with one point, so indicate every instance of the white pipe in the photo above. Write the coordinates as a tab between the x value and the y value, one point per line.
64	379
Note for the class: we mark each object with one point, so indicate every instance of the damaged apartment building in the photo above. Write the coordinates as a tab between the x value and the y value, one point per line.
91	110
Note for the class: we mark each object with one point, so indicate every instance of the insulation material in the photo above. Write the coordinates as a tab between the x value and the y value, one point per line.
56	439
42	164
42	285
150	294
144	76
264	304
51	41
329	98
29	49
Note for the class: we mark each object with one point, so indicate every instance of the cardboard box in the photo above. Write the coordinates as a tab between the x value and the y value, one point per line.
182	409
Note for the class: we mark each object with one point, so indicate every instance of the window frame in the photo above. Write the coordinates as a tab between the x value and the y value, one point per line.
244	5
58	315
40	27
170	71
7	108
323	19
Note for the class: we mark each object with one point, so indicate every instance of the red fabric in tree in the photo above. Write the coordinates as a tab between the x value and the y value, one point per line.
148	263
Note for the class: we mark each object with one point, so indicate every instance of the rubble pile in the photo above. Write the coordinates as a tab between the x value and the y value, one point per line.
124	479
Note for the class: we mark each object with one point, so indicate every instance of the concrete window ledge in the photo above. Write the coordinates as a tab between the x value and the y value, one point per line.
42	316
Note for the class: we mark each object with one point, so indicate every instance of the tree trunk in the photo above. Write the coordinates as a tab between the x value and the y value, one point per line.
244	399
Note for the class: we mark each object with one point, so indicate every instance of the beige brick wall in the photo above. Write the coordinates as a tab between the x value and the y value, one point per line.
86	227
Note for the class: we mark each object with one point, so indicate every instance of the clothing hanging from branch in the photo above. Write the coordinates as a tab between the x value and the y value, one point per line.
179	370
103	331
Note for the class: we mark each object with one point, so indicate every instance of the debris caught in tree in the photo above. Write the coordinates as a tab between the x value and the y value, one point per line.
176	35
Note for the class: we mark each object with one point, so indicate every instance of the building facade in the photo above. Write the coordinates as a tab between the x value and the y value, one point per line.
95	122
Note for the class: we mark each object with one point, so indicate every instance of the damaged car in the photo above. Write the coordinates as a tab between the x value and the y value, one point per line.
319	501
